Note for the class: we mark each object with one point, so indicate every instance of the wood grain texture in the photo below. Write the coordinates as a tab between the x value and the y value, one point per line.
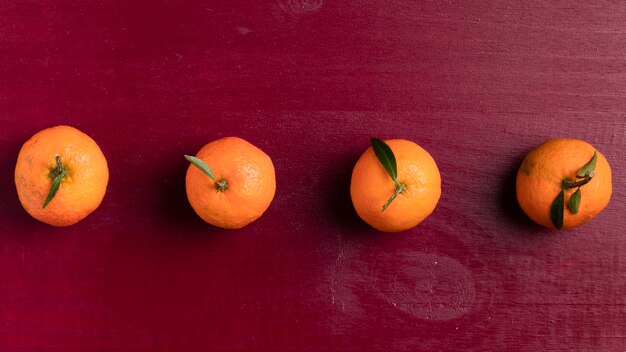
476	83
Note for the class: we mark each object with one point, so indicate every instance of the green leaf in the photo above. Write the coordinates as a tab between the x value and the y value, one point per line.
556	210
386	158
588	168
574	201
56	183
200	164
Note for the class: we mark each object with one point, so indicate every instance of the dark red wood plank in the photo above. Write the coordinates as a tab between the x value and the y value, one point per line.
476	83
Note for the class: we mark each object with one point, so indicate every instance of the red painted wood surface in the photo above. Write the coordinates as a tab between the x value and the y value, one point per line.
476	83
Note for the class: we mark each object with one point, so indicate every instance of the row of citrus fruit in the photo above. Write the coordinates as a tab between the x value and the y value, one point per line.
61	177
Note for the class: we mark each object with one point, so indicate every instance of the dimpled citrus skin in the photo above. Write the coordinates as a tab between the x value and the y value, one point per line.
251	180
81	191
372	186
539	181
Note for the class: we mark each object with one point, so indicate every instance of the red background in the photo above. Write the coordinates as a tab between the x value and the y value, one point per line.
476	83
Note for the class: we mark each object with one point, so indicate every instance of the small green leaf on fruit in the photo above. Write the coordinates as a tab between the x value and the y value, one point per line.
574	201
56	183
200	164
386	157
557	209
589	168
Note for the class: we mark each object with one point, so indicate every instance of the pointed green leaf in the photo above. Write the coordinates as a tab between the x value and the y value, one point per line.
588	168
556	210
574	201
56	183
200	164
386	157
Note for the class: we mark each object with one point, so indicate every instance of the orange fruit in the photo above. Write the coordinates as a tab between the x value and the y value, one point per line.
417	190
553	167
75	160
238	187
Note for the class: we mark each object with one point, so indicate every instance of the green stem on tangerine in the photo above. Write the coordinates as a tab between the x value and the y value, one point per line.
569	184
400	188
57	174
221	185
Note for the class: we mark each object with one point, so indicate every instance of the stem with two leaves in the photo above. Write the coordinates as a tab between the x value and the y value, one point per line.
584	176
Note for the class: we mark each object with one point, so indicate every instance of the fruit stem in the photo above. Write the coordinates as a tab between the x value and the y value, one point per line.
221	185
569	184
57	174
400	188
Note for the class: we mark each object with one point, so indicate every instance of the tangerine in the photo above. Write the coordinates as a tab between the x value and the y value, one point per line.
396	205
236	189
554	167
61	175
